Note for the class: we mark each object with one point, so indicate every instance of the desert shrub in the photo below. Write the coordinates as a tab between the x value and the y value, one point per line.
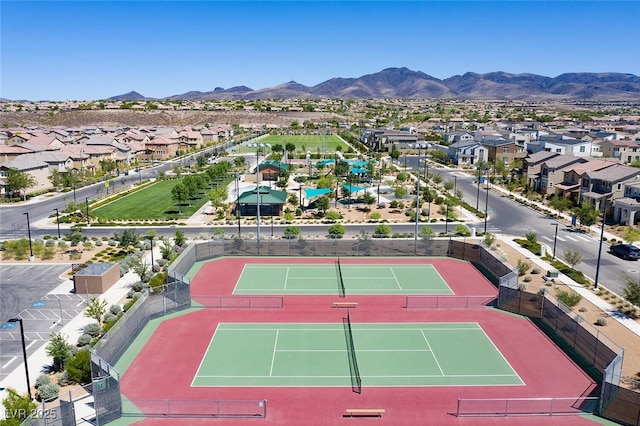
115	309
523	266
536	270
48	392
528	278
84	340
602	321
42	380
93	329
48	253
158	280
109	317
79	366
583	309
64	379
139	286
569	298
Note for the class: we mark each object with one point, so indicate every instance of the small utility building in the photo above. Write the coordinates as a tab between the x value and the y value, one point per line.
271	202
96	278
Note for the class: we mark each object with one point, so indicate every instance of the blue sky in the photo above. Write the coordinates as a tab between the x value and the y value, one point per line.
82	50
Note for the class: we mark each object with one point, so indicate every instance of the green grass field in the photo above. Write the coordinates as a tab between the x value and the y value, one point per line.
387	354
314	143
357	279
152	202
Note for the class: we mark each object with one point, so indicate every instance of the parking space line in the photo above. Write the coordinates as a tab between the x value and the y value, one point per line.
29	345
9	362
30	314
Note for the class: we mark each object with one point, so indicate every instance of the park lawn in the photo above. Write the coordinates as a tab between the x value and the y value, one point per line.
303	143
152	202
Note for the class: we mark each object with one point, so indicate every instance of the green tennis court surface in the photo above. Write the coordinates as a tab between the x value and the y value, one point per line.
388	354
324	279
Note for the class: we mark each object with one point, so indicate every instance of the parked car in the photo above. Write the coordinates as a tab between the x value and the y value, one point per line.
626	251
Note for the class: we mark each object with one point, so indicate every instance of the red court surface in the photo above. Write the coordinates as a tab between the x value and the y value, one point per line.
166	365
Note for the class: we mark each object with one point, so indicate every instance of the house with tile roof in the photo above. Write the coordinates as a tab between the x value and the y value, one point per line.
502	150
162	148
467	152
39	166
572	181
607	184
531	166
551	172
626	151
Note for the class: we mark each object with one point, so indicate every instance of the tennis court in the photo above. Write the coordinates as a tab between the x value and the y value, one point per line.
324	354
339	278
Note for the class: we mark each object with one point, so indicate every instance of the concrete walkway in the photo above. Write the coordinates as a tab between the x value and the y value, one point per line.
585	292
39	361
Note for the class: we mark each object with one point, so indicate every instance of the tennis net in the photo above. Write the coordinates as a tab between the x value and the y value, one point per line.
341	290
356	381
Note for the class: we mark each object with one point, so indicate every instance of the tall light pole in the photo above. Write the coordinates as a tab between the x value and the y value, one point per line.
24	354
238	203
86	204
555	239
151	238
486	204
604	217
257	146
478	195
58	221
417	204
29	233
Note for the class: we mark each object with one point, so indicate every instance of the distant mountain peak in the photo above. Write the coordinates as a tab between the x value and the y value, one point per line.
405	83
130	96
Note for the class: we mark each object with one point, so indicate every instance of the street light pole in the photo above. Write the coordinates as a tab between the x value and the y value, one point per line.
151	238
478	195
486	204
238	203
417	204
555	239
604	217
29	232
86	203
24	354
58	221
257	147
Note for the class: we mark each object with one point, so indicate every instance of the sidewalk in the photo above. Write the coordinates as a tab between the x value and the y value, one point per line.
587	293
39	361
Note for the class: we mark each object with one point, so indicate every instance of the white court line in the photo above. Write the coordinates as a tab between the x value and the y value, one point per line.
9	362
432	354
273	356
395	278
286	278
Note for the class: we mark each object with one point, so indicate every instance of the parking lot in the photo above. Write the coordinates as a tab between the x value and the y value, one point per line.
45	302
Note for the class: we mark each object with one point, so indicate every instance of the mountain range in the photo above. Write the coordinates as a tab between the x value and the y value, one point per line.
405	83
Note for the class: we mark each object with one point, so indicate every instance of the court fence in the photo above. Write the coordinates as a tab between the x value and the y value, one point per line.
589	347
176	296
503	407
195	408
451	302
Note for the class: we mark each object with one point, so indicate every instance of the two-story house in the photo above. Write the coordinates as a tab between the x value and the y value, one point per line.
467	152
531	167
607	184
626	151
501	150
572	181
551	172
